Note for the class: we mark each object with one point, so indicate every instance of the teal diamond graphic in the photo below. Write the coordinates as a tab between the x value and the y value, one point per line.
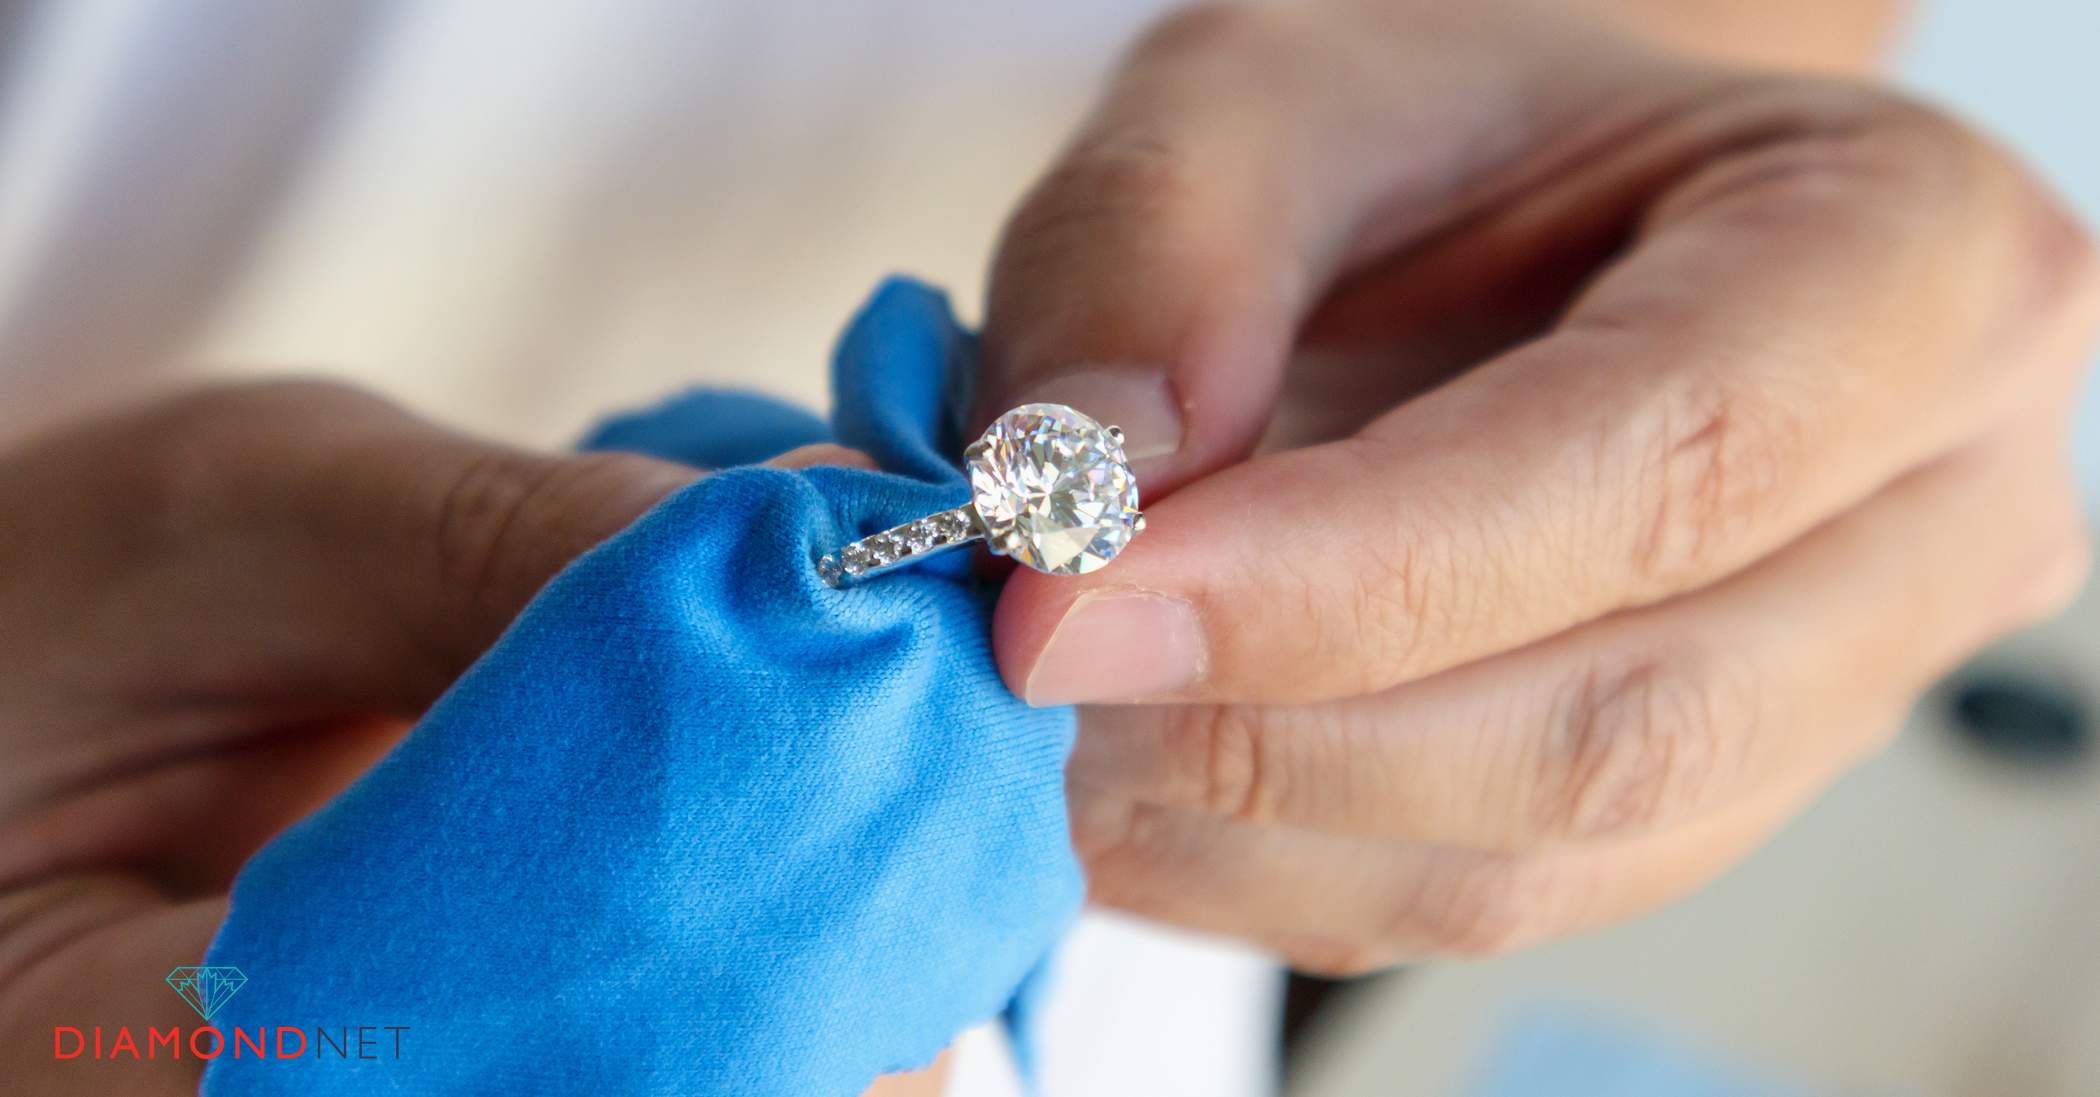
207	988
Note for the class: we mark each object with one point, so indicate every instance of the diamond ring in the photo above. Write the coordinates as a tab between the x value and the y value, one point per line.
1049	487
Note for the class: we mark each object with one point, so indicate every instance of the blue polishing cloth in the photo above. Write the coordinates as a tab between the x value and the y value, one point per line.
697	824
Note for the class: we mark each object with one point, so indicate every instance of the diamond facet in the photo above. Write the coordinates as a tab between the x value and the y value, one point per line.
1053	489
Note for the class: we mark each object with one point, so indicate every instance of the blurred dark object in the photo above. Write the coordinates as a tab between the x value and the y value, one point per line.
1307	1001
2021	719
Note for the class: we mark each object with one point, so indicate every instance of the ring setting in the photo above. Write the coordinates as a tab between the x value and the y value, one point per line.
1049	487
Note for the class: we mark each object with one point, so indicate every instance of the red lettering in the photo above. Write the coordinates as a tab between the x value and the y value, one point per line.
58	1042
300	1033
240	1036
172	1038
124	1043
218	1042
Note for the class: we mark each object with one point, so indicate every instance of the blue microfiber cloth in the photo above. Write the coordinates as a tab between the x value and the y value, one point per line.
697	824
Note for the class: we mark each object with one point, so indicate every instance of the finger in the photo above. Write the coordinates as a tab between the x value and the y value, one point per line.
1344	905
1243	159
224	804
822	453
1795	326
277	555
85	951
1648	719
303	538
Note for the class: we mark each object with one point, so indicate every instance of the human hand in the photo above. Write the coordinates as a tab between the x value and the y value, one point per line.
1639	436
215	612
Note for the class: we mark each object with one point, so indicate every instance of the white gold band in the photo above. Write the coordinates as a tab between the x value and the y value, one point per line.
893	547
1049	487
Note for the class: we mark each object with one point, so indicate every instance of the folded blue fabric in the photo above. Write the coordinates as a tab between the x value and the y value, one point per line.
697	824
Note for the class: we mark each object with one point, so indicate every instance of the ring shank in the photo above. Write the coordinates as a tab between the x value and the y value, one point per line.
900	545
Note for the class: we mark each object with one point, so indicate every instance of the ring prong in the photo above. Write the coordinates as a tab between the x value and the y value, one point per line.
1138	524
1115	434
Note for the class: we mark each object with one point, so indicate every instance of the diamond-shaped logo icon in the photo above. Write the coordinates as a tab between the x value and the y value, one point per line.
207	988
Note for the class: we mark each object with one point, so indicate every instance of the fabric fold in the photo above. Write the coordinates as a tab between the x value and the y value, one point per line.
697	824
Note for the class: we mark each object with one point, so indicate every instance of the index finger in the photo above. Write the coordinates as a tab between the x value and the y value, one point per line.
1816	277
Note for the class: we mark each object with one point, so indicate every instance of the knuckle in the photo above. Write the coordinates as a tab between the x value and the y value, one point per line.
2070	238
480	501
1795	148
1820	158
1482	906
1221	750
2050	256
1836	141
2060	264
1634	746
1121	842
200	453
1712	462
1925	140
500	522
1938	170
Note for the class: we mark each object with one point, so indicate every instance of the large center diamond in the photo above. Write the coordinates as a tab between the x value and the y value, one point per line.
1053	489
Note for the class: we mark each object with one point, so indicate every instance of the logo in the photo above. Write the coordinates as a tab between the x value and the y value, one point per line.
207	988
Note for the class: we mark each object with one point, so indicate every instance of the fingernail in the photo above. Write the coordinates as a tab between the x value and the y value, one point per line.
1118	645
1139	400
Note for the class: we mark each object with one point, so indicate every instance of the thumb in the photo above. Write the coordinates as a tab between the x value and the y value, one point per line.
1124	289
1155	277
1151	278
1245	163
447	535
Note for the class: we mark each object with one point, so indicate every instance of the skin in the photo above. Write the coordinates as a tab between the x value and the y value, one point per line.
1628	417
1564	452
233	603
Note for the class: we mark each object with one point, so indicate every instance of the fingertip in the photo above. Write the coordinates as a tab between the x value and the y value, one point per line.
1122	634
1029	608
1140	400
822	453
1199	403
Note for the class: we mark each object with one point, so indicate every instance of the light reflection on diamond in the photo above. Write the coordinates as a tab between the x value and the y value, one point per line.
1054	489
